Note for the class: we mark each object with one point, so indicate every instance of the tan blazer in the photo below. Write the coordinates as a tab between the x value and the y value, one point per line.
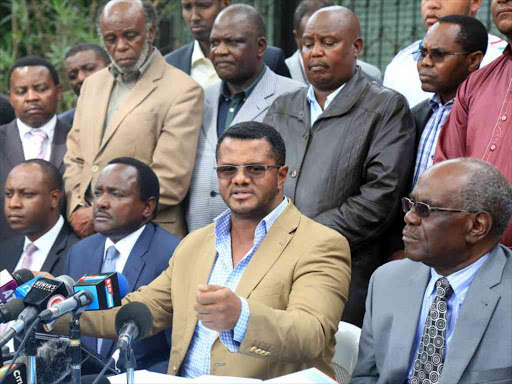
158	123
296	285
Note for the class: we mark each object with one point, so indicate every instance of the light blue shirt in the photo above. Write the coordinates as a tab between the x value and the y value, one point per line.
460	282
197	359
315	110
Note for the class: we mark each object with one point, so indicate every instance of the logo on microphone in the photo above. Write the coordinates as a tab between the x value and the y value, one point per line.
45	286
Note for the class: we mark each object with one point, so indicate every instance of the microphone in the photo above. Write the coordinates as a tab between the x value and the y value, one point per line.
107	289
16	375
133	321
78	301
11	310
9	283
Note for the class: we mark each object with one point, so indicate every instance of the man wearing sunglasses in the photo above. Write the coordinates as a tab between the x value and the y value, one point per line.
401	74
443	315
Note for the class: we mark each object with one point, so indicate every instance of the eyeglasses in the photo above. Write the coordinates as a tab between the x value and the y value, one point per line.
253	171
435	55
423	210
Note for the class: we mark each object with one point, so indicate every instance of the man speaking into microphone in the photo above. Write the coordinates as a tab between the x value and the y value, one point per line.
126	199
260	292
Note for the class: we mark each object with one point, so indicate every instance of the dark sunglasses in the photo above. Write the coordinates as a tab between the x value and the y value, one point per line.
435	55
253	171
423	210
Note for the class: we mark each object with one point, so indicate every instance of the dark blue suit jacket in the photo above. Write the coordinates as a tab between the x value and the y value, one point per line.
274	58
148	259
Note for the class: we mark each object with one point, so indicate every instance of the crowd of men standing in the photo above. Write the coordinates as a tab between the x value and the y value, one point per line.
278	198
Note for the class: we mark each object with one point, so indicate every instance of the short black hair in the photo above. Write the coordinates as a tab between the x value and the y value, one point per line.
308	7
33	61
99	51
253	130
50	172
472	36
147	179
251	14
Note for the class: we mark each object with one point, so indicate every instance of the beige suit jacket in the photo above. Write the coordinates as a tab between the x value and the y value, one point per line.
296	285
158	123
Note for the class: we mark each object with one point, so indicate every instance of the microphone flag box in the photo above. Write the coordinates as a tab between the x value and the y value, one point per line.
23	289
45	293
18	374
7	287
104	287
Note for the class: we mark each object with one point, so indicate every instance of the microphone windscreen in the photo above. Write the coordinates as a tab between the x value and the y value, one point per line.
12	309
68	281
22	276
137	312
123	284
89	379
53	362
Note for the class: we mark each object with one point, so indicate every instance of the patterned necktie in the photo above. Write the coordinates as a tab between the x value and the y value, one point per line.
29	253
109	265
39	137
429	360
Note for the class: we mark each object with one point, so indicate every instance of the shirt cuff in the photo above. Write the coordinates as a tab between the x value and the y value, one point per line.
232	339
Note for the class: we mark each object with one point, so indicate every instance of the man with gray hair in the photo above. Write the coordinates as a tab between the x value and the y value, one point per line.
444	314
139	107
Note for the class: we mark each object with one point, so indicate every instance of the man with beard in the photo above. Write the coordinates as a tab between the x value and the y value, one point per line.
139	107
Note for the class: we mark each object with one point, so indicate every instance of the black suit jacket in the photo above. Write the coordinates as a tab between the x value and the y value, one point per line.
181	58
421	114
11	154
56	261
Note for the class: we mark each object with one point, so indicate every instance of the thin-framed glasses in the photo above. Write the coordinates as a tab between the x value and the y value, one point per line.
253	171
423	210
435	55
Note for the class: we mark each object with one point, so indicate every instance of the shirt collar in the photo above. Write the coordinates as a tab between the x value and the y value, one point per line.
197	53
312	97
48	128
247	91
435	102
134	76
126	244
45	242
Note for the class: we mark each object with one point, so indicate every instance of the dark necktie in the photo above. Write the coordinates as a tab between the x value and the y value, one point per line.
429	360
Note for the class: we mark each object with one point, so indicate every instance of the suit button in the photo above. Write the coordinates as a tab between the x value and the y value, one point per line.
493	147
94	168
213	193
293	174
267	353
253	349
258	351
174	368
262	353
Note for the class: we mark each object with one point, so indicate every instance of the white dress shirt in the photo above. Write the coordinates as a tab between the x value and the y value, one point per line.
402	73
314	107
29	151
44	244
201	68
124	247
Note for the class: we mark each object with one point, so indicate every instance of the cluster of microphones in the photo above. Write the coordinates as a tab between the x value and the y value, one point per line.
28	302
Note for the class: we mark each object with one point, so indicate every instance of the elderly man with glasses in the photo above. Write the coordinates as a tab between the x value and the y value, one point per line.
443	315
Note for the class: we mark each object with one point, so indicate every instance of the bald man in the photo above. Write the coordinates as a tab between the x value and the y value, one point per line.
349	146
402	74
139	107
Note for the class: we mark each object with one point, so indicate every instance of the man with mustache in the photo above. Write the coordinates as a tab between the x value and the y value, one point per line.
350	144
401	74
36	133
479	124
443	314
33	192
139	107
247	91
126	199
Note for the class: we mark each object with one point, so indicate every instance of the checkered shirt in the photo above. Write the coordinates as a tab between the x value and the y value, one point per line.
428	141
197	360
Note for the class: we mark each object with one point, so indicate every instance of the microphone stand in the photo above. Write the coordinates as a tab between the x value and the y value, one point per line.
130	365
31	352
75	350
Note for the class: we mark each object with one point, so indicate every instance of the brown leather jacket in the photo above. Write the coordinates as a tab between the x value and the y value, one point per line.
351	168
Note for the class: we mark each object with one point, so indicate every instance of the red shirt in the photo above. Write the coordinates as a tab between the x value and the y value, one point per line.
480	124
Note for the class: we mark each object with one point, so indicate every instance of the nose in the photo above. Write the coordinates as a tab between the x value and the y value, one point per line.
317	50
433	4
81	77
14	201
195	14
239	178
220	49
121	45
412	218
32	95
102	201
427	61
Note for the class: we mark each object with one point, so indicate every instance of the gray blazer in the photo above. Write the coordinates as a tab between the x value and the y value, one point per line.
297	72
481	346
204	200
11	154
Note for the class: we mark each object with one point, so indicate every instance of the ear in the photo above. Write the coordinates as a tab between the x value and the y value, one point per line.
475	59
281	176
262	46
358	47
474	7
149	208
55	199
151	34
478	227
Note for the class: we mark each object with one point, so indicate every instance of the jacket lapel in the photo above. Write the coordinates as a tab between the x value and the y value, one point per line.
55	251
211	110
13	145
135	263
270	250
143	88
59	144
474	317
99	103
12	251
407	303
